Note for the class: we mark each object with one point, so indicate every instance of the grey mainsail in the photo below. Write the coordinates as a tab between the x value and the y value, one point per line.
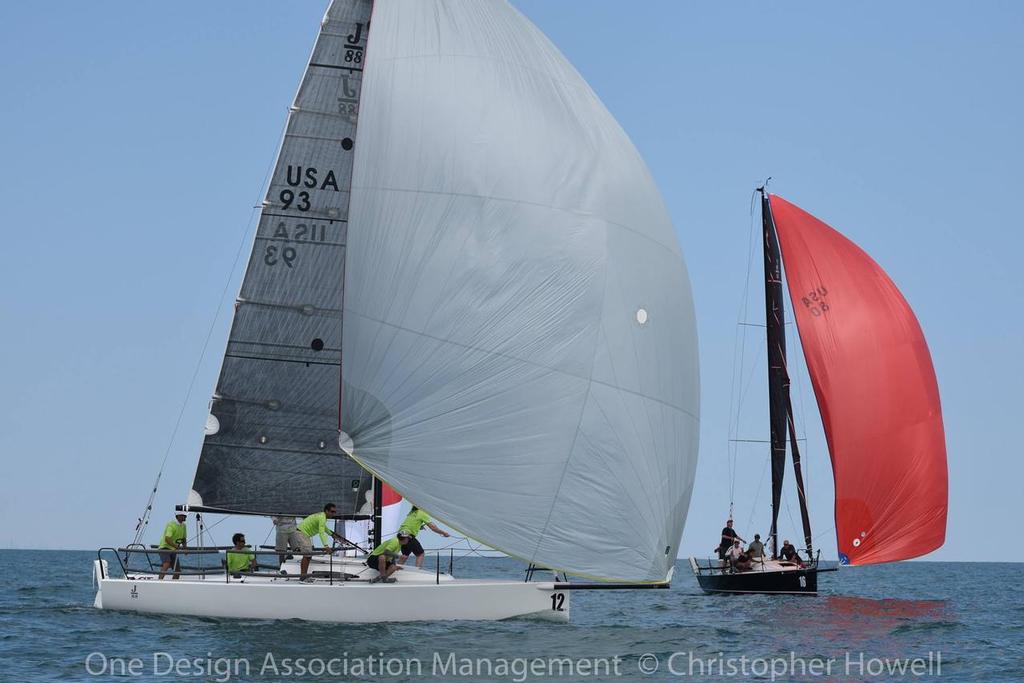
274	449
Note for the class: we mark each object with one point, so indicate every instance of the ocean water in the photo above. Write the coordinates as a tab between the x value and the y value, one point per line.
952	621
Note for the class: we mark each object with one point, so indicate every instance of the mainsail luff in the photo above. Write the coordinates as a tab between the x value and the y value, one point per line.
274	447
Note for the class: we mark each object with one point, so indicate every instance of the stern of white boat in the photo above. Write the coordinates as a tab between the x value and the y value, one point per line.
99	572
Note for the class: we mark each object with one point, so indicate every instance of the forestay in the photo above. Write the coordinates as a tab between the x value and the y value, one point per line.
271	445
520	355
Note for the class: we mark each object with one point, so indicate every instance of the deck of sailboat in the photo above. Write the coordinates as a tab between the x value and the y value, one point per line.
416	595
767	576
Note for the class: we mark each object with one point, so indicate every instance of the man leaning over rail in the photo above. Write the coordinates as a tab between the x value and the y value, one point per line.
414	522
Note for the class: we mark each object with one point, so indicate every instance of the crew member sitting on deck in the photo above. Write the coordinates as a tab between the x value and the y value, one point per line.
743	563
240	558
175	537
302	539
732	555
383	557
788	554
728	536
414	522
756	548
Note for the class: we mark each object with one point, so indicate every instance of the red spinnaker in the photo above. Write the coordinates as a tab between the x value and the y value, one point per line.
876	391
389	496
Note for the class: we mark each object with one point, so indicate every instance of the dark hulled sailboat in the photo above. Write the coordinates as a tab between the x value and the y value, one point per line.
877	395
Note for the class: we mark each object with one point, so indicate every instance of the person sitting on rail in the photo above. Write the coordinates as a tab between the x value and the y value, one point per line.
240	558
383	557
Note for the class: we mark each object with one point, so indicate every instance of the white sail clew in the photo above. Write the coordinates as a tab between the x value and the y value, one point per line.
519	346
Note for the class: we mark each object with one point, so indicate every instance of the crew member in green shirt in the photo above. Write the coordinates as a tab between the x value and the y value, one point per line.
315	524
383	557
241	558
175	537
414	521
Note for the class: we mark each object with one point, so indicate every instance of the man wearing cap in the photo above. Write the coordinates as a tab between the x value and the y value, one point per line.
756	547
175	537
414	522
383	557
316	524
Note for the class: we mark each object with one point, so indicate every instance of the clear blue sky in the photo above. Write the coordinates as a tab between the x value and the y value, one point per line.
136	138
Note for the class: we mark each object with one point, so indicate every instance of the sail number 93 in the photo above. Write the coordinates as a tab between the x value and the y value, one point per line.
301	201
276	254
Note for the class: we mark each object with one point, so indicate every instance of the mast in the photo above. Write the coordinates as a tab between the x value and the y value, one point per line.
780	407
378	495
775	333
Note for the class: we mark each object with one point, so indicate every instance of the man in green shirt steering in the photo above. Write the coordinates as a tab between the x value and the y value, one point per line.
315	524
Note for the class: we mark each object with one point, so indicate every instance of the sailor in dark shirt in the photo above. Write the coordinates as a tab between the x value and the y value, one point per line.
728	536
788	553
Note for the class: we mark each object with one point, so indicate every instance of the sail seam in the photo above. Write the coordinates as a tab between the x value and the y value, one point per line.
525	202
579	419
521	360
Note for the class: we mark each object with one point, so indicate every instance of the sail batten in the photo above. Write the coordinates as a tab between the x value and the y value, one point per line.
876	389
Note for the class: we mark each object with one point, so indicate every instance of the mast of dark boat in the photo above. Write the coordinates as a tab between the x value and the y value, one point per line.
780	407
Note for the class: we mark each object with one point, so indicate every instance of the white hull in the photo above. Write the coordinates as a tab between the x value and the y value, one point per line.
344	601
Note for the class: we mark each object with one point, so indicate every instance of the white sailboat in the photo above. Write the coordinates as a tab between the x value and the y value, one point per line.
465	284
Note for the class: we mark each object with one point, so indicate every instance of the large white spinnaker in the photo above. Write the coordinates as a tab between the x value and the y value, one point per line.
519	348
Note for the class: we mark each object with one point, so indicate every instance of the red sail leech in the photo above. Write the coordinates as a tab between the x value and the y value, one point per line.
876	390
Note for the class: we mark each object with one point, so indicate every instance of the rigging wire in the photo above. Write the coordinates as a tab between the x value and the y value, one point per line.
144	519
250	226
739	350
757	493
